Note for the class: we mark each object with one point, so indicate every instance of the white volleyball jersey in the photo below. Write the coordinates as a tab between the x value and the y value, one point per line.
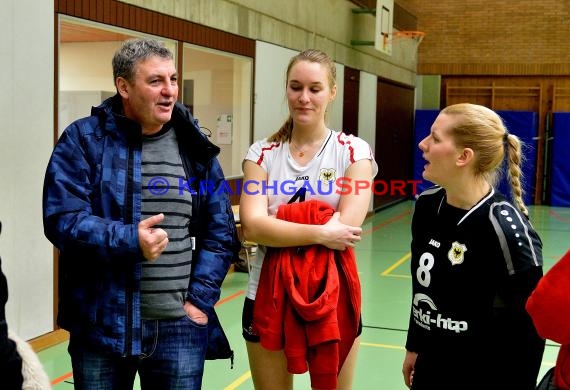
287	181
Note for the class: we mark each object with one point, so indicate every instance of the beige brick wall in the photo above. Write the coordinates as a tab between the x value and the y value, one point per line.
494	37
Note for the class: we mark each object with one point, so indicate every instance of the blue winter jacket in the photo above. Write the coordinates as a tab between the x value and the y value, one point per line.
92	205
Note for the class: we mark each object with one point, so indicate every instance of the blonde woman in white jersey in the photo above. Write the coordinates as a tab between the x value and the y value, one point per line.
303	160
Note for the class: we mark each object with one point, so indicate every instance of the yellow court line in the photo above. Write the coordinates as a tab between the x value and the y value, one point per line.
398	276
383	346
235	384
396	264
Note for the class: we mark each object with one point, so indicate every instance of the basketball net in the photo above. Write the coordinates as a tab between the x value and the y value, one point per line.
409	41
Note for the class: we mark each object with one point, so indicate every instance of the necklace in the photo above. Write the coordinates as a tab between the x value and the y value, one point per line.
301	151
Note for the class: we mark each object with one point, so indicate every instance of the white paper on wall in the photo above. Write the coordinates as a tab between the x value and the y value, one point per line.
224	129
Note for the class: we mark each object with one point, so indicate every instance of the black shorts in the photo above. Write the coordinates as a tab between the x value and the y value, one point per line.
247	322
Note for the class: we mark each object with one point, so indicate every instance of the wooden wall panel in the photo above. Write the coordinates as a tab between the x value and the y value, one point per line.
146	21
561	99
542	94
490	69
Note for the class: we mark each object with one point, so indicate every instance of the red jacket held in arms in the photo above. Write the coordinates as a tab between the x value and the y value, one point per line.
308	301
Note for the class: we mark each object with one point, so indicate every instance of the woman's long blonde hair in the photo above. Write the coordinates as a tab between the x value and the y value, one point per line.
482	129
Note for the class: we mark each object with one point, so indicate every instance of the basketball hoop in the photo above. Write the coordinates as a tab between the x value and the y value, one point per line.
417	36
409	40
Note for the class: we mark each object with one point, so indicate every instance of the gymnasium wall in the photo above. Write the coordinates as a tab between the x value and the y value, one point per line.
26	142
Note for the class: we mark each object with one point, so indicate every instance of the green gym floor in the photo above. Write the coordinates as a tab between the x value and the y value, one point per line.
383	261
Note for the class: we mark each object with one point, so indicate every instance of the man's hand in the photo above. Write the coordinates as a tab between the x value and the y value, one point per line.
152	240
195	314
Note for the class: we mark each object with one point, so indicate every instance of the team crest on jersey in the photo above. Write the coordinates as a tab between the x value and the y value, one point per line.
327	174
456	253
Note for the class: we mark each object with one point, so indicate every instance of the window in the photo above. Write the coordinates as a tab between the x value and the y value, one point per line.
216	86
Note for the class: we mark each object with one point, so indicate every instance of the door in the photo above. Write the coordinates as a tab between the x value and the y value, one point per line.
394	143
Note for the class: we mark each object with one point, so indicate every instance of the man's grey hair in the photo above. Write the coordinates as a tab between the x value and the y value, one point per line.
133	51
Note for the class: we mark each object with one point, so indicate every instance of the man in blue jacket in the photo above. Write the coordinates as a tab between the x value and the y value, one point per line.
134	201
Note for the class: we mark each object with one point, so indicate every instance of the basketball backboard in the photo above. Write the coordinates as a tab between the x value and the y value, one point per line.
384	25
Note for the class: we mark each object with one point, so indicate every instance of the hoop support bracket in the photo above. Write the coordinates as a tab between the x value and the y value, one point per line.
355	42
364	11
